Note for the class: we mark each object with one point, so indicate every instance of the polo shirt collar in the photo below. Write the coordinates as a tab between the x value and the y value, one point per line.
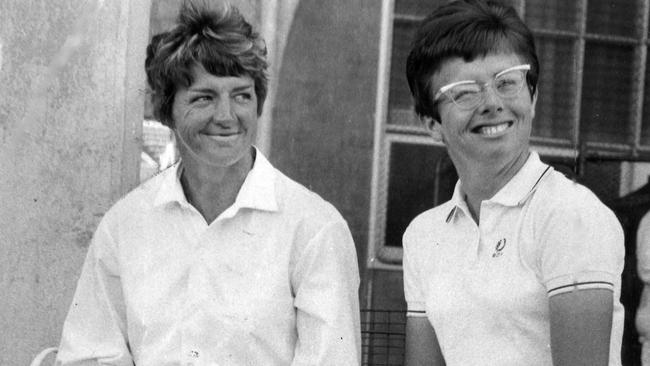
514	193
257	191
517	190
458	202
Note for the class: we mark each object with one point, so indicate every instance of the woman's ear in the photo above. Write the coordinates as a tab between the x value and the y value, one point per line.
428	122
433	127
534	104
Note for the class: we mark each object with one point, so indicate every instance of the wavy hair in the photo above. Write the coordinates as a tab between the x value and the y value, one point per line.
217	38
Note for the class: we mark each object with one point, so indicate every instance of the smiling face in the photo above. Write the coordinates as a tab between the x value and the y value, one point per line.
215	119
497	131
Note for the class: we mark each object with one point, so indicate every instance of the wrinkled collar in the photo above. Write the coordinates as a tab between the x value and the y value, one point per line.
514	193
257	191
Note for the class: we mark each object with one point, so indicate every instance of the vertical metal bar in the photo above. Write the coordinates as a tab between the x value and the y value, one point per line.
579	68
641	52
378	165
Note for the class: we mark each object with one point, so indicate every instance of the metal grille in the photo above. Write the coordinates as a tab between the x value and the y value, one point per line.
382	337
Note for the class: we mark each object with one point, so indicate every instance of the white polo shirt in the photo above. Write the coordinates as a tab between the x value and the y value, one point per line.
272	281
485	288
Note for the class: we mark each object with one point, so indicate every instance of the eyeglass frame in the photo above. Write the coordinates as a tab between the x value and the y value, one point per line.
443	90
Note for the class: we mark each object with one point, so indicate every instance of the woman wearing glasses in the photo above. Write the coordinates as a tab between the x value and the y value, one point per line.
522	266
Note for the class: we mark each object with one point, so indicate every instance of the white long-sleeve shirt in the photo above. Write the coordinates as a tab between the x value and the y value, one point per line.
272	281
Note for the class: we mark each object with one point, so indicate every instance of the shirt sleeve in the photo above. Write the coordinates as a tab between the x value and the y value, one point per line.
326	285
412	293
94	331
643	249
581	247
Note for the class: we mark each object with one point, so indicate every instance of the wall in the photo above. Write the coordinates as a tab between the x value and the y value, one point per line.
322	132
70	117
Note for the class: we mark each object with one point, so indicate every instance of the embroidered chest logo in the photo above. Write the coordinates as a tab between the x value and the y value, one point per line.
498	249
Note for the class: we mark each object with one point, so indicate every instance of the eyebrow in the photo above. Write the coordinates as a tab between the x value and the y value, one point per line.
236	89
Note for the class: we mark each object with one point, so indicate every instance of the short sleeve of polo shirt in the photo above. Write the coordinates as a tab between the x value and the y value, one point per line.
412	291
581	246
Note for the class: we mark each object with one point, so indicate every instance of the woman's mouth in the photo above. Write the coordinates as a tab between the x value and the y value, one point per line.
223	137
492	130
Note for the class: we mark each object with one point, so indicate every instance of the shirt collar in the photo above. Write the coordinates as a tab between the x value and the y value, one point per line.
257	191
170	187
514	193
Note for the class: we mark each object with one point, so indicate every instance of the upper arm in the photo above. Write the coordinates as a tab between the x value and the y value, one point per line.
581	323
580	263
326	279
422	347
643	248
95	327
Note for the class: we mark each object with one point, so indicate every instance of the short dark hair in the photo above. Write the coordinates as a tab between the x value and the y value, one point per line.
217	38
467	29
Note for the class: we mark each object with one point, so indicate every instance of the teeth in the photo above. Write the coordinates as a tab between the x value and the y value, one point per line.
492	130
223	137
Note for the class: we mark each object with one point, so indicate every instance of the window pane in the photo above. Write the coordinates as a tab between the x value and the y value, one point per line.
645	123
612	17
554	116
413	187
416	7
552	14
607	93
399	94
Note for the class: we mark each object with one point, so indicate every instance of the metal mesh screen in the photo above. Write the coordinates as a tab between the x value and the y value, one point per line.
556	85
612	17
607	93
552	14
382	337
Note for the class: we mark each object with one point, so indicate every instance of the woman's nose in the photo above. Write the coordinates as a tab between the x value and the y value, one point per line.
223	110
491	101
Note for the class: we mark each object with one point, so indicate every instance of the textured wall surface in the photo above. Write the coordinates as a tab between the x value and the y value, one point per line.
323	120
70	115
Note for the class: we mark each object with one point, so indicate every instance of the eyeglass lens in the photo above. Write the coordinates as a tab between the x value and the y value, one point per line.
506	85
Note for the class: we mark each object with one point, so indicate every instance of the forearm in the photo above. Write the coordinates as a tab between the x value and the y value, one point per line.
421	345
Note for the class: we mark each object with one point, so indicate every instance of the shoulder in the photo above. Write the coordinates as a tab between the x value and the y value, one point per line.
299	203
559	195
139	201
564	207
427	224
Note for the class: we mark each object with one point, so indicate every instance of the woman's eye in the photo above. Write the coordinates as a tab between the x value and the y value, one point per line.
201	99
245	97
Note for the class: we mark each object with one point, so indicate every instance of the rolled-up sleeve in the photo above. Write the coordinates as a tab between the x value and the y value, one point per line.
326	285
94	332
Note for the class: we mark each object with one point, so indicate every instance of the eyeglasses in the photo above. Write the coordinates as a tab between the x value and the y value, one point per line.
468	94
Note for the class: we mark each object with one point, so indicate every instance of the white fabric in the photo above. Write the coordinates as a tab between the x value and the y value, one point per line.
485	288
643	268
272	281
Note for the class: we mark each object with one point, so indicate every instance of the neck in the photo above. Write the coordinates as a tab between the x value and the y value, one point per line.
212	189
482	181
